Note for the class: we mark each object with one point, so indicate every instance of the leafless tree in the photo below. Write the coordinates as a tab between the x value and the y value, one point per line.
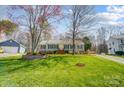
81	19
106	31
101	37
35	19
22	37
114	30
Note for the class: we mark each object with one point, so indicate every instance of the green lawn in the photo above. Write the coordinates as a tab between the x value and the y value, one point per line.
57	71
120	56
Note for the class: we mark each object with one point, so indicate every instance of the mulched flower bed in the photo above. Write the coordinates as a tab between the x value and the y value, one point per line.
80	65
31	57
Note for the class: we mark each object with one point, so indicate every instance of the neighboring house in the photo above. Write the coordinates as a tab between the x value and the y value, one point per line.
11	46
115	43
65	45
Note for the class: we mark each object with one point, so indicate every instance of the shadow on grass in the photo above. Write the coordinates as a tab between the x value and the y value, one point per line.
52	62
18	68
11	62
13	65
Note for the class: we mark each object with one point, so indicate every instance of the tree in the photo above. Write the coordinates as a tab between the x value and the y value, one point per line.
7	26
81	19
102	48
106	31
35	19
47	36
22	37
87	43
93	42
101	35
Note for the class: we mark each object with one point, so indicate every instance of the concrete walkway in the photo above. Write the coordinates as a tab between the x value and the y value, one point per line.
113	58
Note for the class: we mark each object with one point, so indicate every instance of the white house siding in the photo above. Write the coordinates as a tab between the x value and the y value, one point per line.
115	44
121	44
8	49
78	48
61	45
112	46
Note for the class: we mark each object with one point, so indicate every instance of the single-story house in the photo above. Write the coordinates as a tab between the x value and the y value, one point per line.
12	46
62	44
115	43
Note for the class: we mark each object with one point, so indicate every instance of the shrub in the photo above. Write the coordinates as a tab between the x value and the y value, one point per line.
42	53
54	52
66	51
50	52
60	52
119	53
30	53
34	53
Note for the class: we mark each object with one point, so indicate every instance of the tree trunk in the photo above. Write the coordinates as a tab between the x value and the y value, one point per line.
73	40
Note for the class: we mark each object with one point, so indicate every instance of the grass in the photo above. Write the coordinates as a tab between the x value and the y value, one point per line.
60	71
120	56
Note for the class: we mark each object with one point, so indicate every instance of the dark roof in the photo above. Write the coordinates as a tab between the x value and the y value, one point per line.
10	42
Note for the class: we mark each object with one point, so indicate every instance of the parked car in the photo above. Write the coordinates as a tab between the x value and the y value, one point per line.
1	50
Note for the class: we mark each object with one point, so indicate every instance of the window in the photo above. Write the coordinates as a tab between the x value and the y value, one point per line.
66	46
56	46
114	49
71	46
49	46
122	41
79	46
113	43
121	48
10	41
52	46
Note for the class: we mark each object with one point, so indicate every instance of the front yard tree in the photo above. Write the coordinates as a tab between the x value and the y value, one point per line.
81	17
103	48
7	26
87	44
102	35
35	19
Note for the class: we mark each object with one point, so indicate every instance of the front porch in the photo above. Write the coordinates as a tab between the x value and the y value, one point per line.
65	47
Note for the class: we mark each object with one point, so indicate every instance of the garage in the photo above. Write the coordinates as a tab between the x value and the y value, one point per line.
10	49
12	46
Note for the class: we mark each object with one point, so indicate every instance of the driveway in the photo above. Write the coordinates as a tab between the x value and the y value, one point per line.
113	58
8	54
